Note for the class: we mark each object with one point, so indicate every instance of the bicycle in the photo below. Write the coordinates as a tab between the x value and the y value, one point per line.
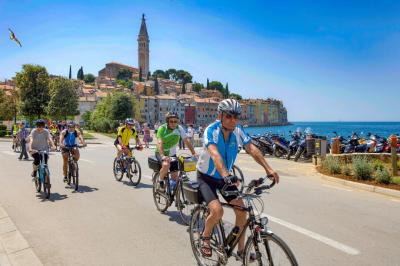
164	199
239	174
222	247
127	164
17	147
73	168
43	176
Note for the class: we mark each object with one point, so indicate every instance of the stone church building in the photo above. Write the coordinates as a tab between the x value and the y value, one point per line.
108	75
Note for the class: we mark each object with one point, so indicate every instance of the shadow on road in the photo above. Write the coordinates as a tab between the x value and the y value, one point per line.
53	197
84	189
140	185
174	216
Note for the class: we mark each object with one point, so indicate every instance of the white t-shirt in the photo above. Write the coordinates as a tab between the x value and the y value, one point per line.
190	132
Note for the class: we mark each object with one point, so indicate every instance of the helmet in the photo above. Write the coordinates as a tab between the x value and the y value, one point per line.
71	123
129	121
40	122
171	115
230	106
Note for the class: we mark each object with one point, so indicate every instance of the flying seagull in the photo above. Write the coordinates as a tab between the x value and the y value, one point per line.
14	38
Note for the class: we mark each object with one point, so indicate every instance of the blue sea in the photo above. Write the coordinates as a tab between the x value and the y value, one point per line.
344	129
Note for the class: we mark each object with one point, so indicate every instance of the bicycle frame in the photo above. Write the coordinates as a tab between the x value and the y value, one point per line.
42	166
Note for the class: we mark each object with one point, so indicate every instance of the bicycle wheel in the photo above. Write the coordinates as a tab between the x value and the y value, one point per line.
118	173
183	205
196	228
160	198
237	172
38	183
273	251
69	174
46	185
135	172
75	175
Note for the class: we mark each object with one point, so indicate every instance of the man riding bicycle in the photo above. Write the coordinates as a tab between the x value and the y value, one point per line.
221	141
68	140
168	136
40	139
125	133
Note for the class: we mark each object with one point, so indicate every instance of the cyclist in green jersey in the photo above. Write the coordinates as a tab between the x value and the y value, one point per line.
168	136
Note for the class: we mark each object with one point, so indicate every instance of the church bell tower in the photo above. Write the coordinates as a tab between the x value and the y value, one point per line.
143	49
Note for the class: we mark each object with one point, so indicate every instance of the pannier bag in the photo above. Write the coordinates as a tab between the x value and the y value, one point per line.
154	164
192	192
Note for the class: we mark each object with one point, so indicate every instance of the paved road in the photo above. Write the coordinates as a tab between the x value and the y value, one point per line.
112	223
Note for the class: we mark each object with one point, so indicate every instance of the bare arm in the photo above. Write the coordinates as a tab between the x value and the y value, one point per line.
62	137
217	159
259	158
160	147
189	144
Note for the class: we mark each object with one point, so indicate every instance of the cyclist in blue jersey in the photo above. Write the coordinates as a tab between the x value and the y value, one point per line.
221	141
68	139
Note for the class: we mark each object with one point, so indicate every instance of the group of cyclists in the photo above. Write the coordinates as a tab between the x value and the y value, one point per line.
42	139
221	141
215	161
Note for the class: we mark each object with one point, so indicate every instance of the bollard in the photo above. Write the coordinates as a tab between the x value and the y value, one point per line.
393	148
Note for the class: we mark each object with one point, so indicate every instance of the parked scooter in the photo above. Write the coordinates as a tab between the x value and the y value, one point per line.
281	146
302	148
294	143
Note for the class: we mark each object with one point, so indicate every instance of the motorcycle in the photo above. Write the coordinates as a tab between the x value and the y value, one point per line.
280	146
294	143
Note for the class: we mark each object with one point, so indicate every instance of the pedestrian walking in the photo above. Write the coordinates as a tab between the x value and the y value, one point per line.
146	135
190	134
22	135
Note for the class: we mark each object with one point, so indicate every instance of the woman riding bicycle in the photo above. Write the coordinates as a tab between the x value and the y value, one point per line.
40	139
221	141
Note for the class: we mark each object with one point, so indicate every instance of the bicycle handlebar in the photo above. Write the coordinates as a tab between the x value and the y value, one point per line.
254	184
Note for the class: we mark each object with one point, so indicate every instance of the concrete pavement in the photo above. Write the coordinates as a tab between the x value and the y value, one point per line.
112	223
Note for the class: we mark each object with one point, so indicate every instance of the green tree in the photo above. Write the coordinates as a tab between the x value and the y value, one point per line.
70	72
235	96
197	87
183	88
125	83
100	117
208	84
156	87
63	98
121	106
6	113
160	74
216	85
80	74
89	78
124	74
148	75
33	82
171	73
86	118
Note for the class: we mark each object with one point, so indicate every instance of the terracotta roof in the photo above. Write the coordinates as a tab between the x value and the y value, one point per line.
166	97
119	64
205	100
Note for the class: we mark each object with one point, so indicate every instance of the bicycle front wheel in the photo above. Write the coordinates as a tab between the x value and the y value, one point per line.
183	205
272	251
75	175
160	197
47	185
117	169
135	172
196	228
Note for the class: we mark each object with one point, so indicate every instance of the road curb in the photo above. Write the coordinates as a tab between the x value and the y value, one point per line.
14	249
366	187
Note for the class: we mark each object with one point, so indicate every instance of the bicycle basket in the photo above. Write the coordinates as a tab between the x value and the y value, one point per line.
192	192
188	163
154	164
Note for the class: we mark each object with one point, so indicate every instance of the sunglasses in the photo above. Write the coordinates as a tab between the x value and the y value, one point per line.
229	116
173	121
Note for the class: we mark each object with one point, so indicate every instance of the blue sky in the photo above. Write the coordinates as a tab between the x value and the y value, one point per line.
327	60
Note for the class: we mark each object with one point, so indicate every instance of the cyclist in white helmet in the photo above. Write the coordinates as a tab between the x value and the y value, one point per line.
221	141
